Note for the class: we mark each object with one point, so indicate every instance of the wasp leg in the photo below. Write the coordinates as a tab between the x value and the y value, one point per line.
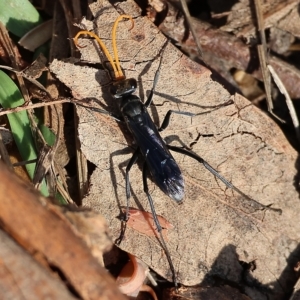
132	161
218	175
102	111
167	118
150	97
158	226
165	124
127	183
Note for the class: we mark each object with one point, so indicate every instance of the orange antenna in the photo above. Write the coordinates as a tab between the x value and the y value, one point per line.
115	65
114	40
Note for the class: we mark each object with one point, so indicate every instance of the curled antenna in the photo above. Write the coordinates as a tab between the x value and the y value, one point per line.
115	63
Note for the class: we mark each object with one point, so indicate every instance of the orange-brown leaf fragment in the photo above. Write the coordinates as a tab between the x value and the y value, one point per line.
143	222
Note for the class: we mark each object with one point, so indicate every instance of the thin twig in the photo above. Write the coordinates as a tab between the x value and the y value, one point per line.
263	57
31	79
288	100
4	154
36	105
191	26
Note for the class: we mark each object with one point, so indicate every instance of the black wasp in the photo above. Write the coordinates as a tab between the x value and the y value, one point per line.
156	153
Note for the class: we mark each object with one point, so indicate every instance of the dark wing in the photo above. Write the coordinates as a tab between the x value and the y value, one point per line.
160	161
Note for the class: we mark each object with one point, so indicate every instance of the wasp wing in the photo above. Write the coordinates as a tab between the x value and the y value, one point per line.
160	161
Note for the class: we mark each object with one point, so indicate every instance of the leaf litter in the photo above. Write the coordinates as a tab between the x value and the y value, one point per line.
214	226
143	222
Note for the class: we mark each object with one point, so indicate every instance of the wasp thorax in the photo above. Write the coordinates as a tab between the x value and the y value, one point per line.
123	87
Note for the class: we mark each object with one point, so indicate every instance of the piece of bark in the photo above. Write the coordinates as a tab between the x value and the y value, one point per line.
92	228
21	277
42	229
214	228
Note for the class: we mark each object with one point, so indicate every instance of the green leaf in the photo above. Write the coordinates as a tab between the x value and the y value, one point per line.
11	97
19	16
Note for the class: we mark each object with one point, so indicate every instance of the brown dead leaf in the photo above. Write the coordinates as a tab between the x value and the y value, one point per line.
214	228
143	222
291	22
240	18
132	277
224	52
205	293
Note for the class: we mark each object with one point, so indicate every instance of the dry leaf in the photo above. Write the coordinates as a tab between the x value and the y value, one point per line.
214	228
205	293
142	221
240	18
223	52
132	277
291	22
